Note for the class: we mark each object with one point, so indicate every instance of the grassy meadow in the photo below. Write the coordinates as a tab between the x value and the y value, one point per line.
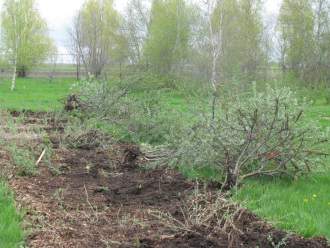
301	206
34	94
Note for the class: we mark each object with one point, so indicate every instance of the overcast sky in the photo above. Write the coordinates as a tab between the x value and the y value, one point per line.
59	15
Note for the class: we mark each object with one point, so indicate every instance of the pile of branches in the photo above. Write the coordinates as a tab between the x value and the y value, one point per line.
87	140
205	214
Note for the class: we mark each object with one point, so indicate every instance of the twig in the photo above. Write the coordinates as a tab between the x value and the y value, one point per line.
89	203
41	156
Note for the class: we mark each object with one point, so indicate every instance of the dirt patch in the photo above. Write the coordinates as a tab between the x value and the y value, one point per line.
191	240
94	202
102	198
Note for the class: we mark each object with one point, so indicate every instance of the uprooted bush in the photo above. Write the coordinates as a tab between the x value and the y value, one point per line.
130	117
100	99
261	134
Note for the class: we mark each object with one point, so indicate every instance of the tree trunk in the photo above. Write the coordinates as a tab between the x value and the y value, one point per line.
13	81
231	179
78	69
21	72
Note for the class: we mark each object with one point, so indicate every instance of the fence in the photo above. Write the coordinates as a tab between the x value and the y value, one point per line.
64	66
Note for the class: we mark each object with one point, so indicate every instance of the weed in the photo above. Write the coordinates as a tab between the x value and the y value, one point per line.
59	197
23	160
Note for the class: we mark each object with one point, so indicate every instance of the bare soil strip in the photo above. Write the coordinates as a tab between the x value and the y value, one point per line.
101	198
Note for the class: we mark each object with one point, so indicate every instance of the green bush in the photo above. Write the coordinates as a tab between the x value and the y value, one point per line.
147	81
259	134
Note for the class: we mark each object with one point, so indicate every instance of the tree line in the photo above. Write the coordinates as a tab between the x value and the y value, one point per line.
219	40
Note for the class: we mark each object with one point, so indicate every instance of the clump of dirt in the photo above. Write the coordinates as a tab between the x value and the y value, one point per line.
102	198
130	156
72	103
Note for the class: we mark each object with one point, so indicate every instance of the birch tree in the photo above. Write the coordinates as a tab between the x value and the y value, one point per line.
24	36
214	21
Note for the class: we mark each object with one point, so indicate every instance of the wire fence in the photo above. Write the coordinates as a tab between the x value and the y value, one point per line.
64	66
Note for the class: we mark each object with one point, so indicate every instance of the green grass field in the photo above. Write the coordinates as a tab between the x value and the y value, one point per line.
34	94
11	233
302	206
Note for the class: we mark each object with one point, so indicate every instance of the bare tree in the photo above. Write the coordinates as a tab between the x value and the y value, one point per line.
96	36
136	27
76	46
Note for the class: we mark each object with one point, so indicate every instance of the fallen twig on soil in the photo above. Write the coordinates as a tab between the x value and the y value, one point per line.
40	157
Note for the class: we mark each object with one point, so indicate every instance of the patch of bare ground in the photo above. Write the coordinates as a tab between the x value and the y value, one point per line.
102	198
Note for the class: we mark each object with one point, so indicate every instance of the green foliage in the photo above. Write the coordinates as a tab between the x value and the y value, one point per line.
130	116
99	99
24	35
150	124
97	36
23	160
169	31
262	134
291	205
241	28
11	233
148	81
304	30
